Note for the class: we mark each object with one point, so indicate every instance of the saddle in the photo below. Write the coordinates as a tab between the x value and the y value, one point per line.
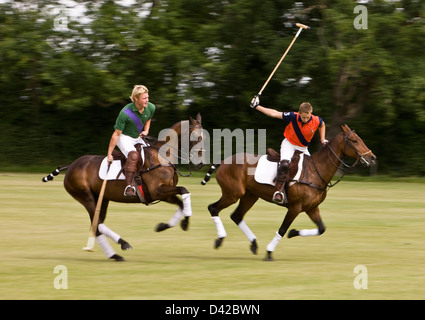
274	156
118	155
266	170
293	170
297	173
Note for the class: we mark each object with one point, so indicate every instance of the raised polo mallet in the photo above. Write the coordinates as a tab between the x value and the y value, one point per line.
95	221
301	26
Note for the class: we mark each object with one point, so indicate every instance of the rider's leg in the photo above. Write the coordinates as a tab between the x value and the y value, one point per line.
130	169
287	150
126	145
281	178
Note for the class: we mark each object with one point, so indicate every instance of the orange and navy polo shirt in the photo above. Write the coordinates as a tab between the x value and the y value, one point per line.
297	132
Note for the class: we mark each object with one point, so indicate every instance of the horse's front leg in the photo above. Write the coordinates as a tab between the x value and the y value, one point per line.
314	215
184	210
290	216
103	229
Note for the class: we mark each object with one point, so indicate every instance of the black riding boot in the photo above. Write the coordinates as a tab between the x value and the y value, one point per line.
282	170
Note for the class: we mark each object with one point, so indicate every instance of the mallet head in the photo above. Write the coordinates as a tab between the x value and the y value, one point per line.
90	244
302	26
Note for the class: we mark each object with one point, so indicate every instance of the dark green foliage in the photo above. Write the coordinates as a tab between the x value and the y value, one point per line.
61	89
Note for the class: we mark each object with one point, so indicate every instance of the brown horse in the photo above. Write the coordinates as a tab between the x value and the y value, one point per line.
158	175
237	183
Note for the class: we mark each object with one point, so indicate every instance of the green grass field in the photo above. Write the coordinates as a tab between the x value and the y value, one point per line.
380	225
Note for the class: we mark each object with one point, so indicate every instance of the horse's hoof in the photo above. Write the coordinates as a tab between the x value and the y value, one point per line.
124	245
184	224
218	242
117	257
161	227
293	233
254	246
268	256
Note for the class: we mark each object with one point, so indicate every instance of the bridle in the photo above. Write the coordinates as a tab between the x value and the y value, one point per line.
342	164
359	155
194	150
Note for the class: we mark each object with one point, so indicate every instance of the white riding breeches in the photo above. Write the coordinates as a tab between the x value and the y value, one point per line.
126	144
287	150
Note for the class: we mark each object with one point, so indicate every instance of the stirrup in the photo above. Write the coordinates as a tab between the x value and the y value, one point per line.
276	200
130	195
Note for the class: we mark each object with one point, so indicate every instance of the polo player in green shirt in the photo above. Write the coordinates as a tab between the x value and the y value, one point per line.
133	123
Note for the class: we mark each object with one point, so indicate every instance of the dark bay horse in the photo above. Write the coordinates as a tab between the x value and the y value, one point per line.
237	183
158	174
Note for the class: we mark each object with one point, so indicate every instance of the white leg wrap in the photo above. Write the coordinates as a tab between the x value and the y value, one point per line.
176	218
221	232
247	231
106	247
108	232
187	205
308	232
272	245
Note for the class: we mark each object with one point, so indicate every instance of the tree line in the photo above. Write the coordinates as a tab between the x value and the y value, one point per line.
64	78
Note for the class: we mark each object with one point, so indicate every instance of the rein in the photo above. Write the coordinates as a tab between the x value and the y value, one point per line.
330	184
160	165
150	159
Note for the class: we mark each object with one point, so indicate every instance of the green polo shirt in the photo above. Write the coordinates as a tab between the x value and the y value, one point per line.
127	126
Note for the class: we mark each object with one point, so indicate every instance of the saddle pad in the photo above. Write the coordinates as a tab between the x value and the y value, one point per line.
266	171
113	170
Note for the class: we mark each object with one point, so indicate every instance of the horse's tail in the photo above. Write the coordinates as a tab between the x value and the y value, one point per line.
54	173
209	173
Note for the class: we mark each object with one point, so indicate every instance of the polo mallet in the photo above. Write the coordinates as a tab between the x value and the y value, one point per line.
95	221
301	26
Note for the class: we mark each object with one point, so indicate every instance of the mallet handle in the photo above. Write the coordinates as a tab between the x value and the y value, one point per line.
95	222
99	202
284	55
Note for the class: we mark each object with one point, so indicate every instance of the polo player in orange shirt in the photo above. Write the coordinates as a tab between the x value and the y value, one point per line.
299	131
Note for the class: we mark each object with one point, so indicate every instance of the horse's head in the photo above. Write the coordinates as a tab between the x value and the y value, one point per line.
184	140
196	142
356	148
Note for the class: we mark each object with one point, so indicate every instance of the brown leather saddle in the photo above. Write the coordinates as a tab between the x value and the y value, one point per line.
274	156
118	155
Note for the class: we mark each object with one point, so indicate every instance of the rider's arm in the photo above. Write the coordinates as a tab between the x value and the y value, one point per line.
113	143
145	132
322	132
270	112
